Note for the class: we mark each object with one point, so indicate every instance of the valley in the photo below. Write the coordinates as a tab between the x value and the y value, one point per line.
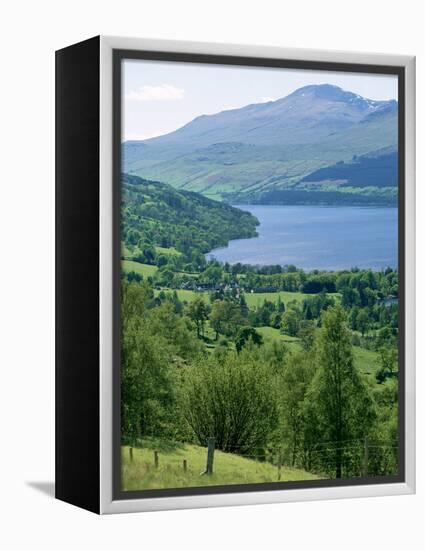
259	295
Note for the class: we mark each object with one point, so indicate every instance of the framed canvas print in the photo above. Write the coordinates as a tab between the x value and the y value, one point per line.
235	274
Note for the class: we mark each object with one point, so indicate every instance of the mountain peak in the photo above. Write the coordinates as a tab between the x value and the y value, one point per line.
308	115
321	88
328	91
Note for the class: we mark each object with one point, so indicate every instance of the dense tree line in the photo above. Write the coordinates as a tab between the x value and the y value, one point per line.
362	288
353	196
256	398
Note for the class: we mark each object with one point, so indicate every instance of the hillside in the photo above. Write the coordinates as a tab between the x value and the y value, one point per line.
267	146
377	169
140	473
156	218
364	180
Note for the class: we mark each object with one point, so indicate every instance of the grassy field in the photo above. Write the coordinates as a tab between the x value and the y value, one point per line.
256	299
228	468
252	300
127	254
184	295
142	269
189	295
270	333
366	360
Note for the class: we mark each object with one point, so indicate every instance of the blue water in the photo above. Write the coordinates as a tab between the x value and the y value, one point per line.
318	237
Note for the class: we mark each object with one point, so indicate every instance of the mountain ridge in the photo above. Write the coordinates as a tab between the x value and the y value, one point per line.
266	146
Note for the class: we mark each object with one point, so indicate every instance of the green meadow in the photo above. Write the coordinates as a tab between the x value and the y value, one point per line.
144	270
141	473
256	299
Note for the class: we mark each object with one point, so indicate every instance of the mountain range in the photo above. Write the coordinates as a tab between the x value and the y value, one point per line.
319	139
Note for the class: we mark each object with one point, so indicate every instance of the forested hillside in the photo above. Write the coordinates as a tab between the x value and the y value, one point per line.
155	216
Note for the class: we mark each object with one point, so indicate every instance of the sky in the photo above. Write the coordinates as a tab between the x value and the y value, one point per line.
160	96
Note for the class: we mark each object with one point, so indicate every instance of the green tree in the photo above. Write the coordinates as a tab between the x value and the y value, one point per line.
197	311
297	374
343	409
275	319
388	358
147	381
306	334
231	398
218	316
362	321
226	317
246	334
161	260
173	329
280	306
212	274
165	276
350	297
290	322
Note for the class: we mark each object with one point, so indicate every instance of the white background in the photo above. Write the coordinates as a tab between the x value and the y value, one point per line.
30	32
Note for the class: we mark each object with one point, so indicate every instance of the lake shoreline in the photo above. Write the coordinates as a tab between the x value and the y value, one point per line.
322	237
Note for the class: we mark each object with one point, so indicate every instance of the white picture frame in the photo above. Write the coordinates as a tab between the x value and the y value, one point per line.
108	503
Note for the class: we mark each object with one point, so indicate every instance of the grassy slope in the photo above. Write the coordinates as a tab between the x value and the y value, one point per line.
184	295
142	269
365	360
270	333
256	299
228	469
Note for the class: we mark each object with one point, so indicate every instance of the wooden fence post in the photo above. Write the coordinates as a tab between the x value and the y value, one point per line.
185	465
279	466
131	454
365	456
210	456
156	458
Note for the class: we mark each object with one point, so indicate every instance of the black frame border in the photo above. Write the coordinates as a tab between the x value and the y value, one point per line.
77	181
118	56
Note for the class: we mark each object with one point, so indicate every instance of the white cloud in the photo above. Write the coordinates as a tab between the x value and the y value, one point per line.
163	92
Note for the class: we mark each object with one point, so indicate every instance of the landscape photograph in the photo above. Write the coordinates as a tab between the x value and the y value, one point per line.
259	324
